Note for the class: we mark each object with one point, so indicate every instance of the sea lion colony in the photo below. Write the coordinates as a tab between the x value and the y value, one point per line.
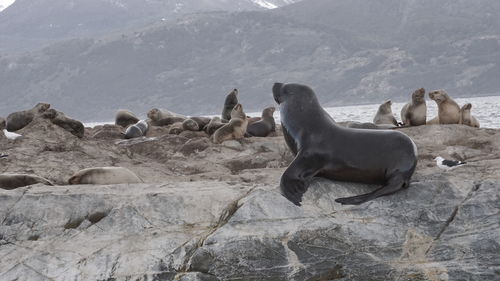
299	129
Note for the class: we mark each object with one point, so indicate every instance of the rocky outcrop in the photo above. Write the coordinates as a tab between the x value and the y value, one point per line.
213	212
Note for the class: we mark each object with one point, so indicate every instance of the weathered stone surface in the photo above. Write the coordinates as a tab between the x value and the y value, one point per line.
216	214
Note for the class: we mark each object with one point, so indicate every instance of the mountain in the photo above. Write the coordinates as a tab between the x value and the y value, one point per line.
28	23
188	64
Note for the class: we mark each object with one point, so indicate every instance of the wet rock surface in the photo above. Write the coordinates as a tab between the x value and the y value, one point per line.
213	212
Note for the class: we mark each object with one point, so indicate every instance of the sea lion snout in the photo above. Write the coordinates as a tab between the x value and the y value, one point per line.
277	92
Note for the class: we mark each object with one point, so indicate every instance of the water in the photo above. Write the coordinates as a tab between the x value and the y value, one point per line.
485	109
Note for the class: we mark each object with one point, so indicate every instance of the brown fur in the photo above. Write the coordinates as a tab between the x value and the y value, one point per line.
104	175
190	125
235	129
213	125
466	117
448	109
12	181
19	120
60	119
164	117
384	114
125	118
414	113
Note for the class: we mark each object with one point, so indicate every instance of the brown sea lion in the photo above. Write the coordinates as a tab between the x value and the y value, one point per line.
448	109
175	128
466	117
190	125
265	126
213	125
58	118
104	175
12	181
230	102
164	117
235	129
125	118
202	121
384	114
414	113
18	120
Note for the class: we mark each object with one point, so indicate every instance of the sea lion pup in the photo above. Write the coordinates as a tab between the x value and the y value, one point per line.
213	125
164	117
384	114
190	125
125	118
18	120
58	118
448	109
466	117
322	148
230	102
414	113
104	175
11	181
265	126
139	129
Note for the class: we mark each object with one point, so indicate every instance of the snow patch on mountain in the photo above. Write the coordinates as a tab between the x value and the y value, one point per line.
265	4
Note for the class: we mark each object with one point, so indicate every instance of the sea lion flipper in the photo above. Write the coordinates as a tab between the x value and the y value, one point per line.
295	180
394	184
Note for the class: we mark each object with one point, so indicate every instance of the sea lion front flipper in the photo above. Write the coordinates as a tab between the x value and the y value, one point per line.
394	184
295	180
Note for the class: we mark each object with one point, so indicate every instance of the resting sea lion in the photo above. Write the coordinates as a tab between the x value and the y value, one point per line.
190	125
384	114
213	125
175	128
125	118
322	148
139	129
164	117
230	102
18	120
235	129
104	175
414	113
11	181
448	109
58	118
265	126
202	121
466	117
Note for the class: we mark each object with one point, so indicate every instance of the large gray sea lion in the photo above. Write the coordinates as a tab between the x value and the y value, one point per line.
104	175
20	119
58	118
125	118
265	126
466	117
322	148
414	113
12	181
139	129
384	114
230	102
448	109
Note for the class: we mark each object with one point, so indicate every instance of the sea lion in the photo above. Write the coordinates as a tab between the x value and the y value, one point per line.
448	109
466	117
322	148
190	125
230	102
125	118
235	129
175	128
414	113
164	117
104	175
265	126
202	121
367	125
18	120
384	114
213	125
2	123
252	120
139	129
11	181
237	112
58	118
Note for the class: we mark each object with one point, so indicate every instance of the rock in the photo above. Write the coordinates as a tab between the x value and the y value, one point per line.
233	144
213	212
108	132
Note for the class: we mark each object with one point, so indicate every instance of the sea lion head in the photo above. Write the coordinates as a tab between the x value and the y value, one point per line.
237	112
385	107
268	111
42	107
418	96
154	114
467	106
438	96
49	113
290	92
